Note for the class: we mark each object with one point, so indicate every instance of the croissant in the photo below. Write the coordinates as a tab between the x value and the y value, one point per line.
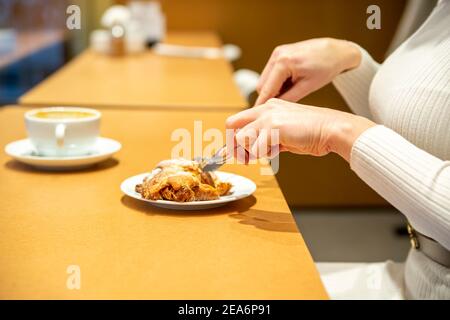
182	181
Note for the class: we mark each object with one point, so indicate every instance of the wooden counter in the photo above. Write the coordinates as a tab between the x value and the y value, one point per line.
250	249
143	80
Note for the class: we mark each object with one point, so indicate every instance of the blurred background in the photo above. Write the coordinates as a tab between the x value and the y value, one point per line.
332	205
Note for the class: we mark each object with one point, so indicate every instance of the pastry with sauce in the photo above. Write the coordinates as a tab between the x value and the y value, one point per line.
182	180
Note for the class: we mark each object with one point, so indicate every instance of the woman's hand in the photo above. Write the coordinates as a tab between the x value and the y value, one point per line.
304	67
301	129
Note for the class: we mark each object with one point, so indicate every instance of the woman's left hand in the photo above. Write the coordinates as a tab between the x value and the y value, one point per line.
301	129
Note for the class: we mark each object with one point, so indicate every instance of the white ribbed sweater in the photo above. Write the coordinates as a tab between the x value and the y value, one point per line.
406	158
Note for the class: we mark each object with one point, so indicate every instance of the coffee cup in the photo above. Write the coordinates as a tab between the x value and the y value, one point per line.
63	131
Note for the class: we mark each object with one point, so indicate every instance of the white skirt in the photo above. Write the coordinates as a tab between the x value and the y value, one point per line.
418	278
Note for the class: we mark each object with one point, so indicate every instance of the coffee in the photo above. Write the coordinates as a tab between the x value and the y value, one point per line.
63	114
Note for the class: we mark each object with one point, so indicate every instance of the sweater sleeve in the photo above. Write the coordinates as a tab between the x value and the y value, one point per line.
412	180
354	84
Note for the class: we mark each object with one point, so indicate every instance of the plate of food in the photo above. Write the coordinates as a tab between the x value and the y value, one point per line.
182	185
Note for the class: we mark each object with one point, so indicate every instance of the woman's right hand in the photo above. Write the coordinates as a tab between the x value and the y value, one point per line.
307	66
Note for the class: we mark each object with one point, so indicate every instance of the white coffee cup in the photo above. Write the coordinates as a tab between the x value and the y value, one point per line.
63	131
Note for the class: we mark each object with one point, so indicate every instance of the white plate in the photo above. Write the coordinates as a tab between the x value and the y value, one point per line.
23	151
242	187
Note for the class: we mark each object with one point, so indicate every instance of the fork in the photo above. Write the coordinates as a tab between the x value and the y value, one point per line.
215	162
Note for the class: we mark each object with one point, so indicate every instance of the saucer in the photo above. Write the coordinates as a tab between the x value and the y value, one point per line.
23	151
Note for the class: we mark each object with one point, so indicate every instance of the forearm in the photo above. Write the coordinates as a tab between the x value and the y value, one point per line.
412	180
344	131
354	84
350	56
